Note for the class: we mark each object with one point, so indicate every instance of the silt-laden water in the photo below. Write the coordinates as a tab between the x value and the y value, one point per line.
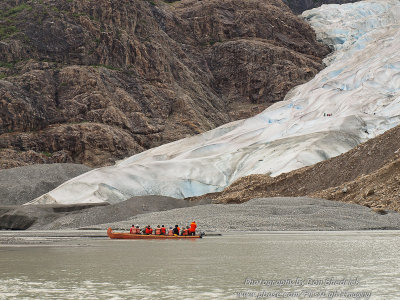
296	265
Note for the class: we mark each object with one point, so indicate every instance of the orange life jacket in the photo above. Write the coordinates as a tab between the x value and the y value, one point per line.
158	231
133	230
179	229
185	232
171	232
163	230
193	227
149	230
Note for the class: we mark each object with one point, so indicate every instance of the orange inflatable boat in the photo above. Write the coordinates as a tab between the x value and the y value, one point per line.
130	236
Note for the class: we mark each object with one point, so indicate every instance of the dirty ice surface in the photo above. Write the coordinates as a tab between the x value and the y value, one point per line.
354	99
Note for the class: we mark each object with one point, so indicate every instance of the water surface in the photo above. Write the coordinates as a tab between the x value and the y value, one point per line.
229	267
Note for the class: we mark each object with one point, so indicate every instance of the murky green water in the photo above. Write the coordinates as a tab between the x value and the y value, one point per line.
302	265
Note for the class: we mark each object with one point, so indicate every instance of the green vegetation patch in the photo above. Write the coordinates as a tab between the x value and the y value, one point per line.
15	10
7	26
7	65
151	2
48	154
7	30
107	67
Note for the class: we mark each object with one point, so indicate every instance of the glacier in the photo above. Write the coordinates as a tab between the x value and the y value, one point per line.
355	98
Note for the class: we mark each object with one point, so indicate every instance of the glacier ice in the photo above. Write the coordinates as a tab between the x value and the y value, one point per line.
355	98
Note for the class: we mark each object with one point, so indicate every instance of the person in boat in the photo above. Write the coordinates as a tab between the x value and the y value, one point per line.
170	231
158	230
185	231
192	230
133	229
176	230
148	230
138	231
163	230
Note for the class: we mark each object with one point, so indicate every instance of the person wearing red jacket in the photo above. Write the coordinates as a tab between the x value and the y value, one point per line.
192	230
133	229
185	231
163	230
148	230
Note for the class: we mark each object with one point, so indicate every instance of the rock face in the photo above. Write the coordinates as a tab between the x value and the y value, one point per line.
379	190
95	81
298	6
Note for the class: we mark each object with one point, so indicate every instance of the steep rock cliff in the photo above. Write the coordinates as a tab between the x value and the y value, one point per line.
95	81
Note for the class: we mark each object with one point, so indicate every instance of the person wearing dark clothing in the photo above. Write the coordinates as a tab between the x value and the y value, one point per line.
176	230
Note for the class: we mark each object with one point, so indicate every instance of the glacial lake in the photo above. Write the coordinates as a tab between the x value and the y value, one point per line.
273	265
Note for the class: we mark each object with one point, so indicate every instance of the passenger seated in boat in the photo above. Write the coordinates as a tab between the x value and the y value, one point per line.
185	231
138	231
158	230
170	231
176	230
148	230
163	230
133	229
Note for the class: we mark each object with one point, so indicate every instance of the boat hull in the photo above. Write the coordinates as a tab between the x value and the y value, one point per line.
130	236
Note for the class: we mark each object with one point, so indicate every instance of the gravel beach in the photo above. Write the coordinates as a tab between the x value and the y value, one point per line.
57	216
263	214
116	212
269	214
23	184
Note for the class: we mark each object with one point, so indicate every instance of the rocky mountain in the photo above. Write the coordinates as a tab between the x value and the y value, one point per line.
355	98
95	81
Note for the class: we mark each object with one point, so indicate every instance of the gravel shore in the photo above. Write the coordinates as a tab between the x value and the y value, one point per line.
269	214
263	214
115	212
23	184
57	216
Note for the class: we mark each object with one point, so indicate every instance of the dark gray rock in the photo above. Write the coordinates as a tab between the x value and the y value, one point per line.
23	184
